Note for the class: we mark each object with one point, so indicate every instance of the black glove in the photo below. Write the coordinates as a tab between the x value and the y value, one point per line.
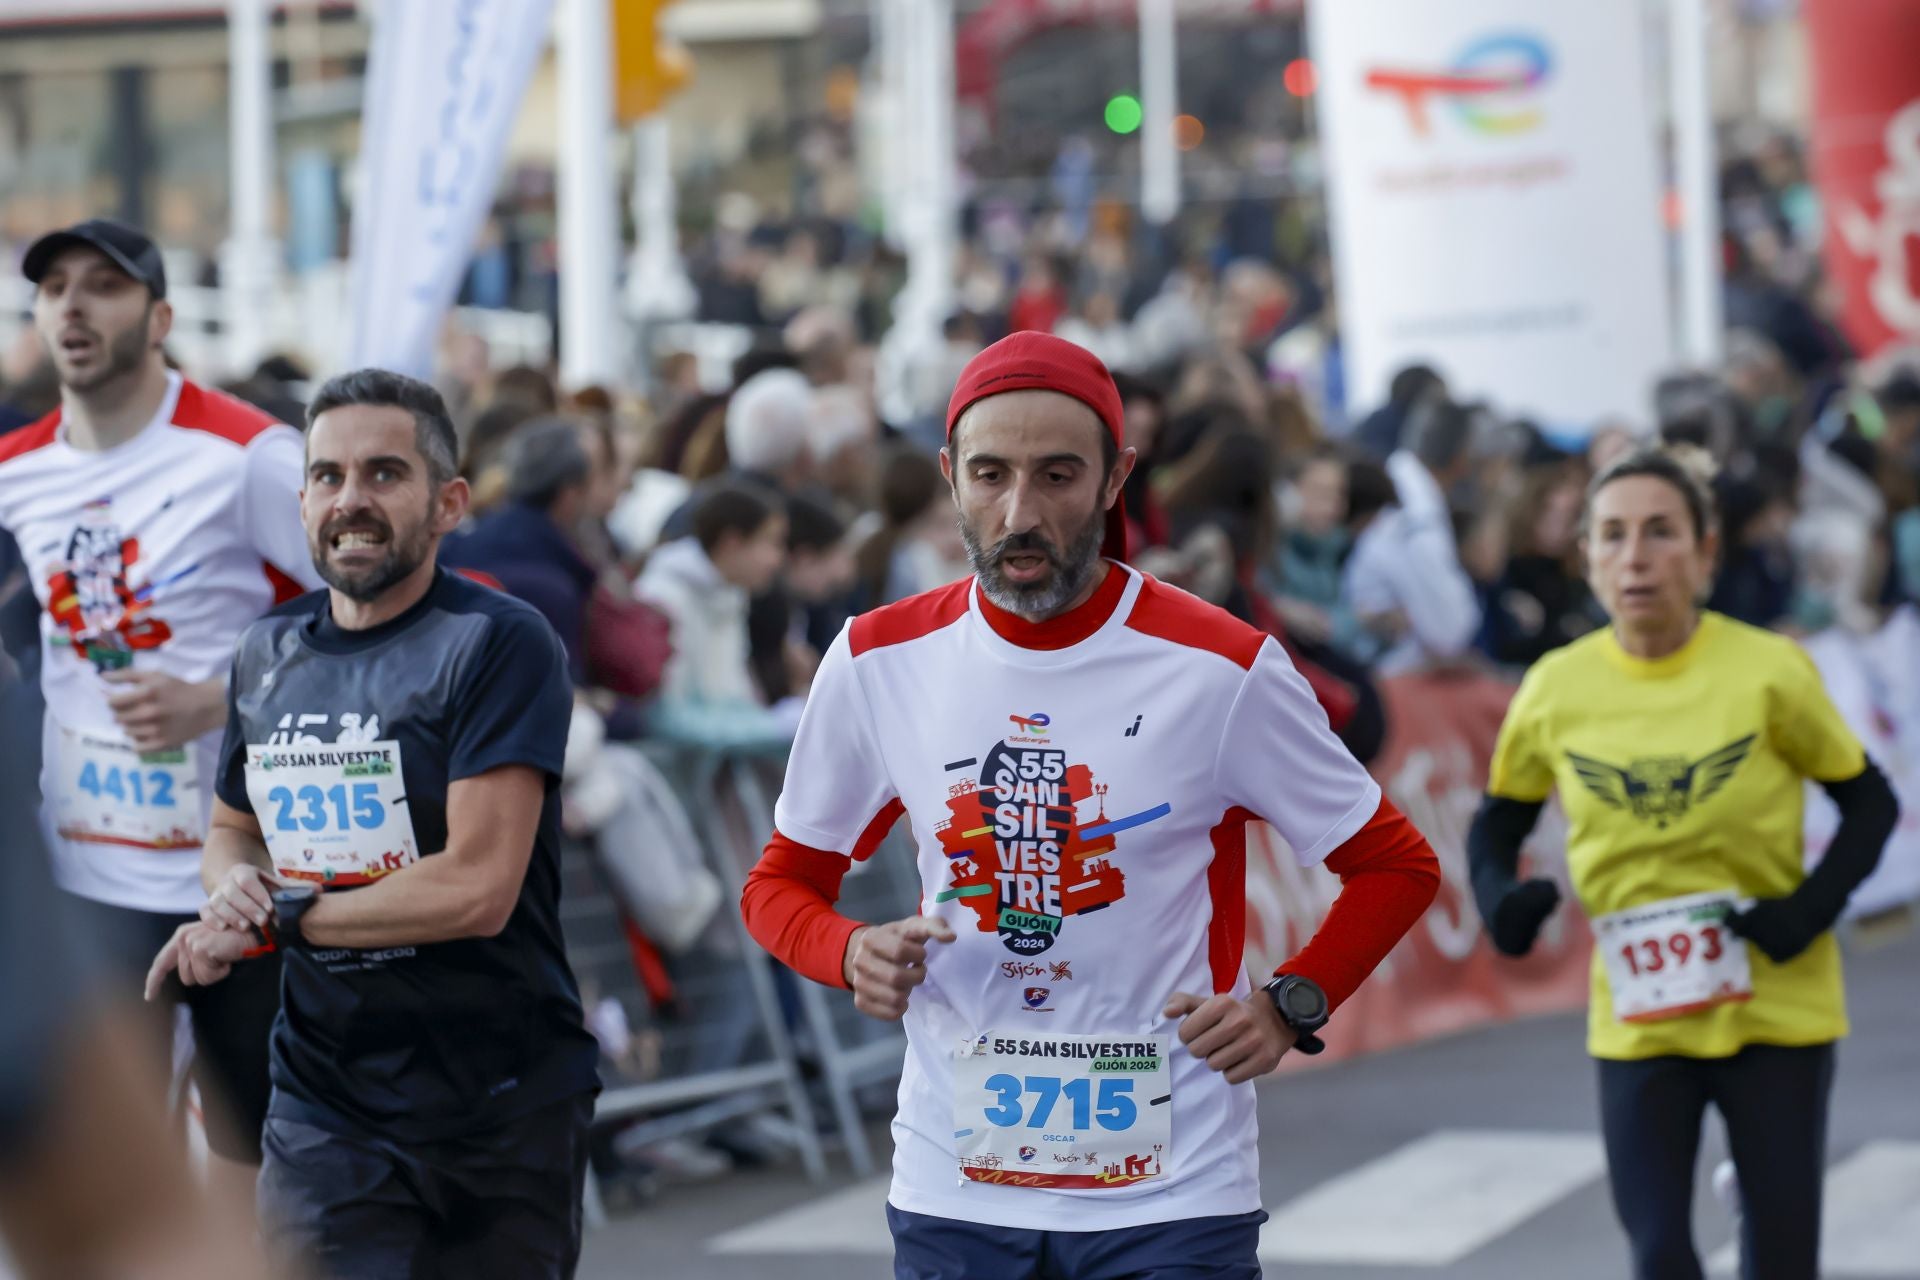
1778	926
1523	909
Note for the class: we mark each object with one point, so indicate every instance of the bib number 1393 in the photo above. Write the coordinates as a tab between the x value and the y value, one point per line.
1673	957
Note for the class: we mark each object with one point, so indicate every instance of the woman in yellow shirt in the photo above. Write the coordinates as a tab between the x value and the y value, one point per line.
1678	740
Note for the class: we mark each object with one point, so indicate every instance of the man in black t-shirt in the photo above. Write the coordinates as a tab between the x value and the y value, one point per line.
396	742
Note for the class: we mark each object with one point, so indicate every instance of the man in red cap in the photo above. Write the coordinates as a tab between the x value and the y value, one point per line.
1078	749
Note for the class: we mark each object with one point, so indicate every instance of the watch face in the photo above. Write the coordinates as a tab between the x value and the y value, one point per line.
1305	1002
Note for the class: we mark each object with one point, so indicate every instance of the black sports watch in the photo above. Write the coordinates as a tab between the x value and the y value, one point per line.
290	903
1302	1005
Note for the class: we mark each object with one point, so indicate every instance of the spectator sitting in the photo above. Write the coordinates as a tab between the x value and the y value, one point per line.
819	579
917	546
526	544
1311	555
703	584
1540	600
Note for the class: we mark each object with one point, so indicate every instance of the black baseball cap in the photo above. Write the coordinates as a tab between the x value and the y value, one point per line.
130	250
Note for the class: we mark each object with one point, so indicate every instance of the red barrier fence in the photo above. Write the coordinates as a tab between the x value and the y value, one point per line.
1444	977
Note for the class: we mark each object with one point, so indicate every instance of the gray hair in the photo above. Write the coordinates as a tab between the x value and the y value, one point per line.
433	432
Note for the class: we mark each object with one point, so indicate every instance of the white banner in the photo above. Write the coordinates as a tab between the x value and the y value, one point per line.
1875	684
1492	180
444	81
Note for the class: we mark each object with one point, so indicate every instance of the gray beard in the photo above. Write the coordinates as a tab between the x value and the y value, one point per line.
1050	596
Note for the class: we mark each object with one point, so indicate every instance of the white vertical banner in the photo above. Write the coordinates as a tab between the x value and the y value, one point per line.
1494	201
444	82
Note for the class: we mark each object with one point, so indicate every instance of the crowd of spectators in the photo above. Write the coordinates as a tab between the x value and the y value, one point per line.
698	547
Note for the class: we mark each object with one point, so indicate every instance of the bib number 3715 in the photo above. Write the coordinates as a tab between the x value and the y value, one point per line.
1087	1112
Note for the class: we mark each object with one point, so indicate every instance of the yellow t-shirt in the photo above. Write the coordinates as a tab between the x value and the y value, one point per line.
1682	775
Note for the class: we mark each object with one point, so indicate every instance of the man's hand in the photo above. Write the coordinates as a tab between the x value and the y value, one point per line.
200	954
243	899
884	963
160	713
1241	1039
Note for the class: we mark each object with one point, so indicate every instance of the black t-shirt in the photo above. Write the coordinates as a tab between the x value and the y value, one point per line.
421	1043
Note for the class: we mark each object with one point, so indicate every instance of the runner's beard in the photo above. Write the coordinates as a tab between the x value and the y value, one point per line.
1068	571
365	585
124	354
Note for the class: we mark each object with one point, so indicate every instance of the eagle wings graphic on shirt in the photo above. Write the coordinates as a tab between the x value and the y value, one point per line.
1661	789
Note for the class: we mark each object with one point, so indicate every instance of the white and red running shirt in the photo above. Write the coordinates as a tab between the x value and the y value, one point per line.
1078	803
149	556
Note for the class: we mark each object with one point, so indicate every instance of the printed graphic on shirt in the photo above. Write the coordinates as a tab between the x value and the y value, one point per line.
92	598
1661	789
1020	855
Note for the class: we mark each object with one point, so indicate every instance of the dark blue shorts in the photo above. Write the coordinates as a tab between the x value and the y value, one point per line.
926	1248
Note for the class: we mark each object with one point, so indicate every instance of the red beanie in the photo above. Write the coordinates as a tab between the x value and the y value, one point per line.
1033	361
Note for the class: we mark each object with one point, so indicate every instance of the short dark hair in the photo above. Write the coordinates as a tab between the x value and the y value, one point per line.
732	507
384	389
1369	489
1438	432
812	525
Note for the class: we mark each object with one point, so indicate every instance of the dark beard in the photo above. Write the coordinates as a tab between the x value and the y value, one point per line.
1046	598
125	354
364	586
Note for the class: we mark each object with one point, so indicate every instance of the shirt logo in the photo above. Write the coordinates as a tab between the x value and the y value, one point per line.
1037	996
1661	789
96	597
1035	724
1029	844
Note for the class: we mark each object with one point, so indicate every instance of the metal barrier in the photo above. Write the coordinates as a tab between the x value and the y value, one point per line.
745	1058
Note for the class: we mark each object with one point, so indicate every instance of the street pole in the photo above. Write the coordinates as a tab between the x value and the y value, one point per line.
1159	99
928	218
590	337
1696	181
249	260
657	284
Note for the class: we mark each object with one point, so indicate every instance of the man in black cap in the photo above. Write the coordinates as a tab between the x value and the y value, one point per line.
156	520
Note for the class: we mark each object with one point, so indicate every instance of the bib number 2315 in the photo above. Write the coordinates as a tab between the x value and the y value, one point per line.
1086	1112
334	814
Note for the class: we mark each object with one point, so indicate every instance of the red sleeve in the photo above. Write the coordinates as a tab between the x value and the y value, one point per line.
789	896
1388	878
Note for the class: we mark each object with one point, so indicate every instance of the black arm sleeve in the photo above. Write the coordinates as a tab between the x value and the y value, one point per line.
1493	848
1868	813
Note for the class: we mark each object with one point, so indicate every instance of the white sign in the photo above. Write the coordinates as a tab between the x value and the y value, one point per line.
1495	214
336	815
444	82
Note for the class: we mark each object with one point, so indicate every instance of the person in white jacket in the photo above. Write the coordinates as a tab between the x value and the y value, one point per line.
703	584
1406	564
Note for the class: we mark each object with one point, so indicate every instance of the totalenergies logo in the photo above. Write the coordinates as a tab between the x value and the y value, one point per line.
1492	86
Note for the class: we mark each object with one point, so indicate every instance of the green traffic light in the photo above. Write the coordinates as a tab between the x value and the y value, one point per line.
1123	113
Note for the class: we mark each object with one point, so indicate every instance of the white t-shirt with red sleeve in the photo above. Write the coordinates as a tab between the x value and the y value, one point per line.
152	555
1078	796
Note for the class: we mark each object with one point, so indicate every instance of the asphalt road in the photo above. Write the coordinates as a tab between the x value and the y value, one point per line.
1474	1158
